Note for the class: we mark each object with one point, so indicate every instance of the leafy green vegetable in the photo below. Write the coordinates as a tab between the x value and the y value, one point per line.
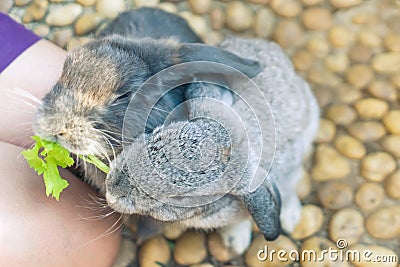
98	163
45	157
159	263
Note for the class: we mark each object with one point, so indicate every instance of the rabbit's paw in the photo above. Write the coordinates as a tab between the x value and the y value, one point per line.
290	214
237	236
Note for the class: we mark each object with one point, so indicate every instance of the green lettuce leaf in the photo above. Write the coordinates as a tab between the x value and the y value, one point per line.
45	157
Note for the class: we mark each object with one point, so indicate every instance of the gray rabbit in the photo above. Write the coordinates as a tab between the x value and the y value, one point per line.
183	159
138	179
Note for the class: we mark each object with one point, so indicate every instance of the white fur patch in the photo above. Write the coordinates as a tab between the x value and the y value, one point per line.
237	236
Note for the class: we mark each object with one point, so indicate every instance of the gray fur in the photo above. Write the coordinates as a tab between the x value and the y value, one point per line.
84	111
296	115
145	22
98	82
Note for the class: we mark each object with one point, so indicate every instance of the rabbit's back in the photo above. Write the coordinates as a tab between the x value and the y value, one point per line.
294	108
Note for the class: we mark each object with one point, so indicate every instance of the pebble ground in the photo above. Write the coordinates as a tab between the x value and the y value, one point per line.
349	52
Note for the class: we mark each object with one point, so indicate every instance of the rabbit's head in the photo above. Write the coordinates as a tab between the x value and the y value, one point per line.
186	171
84	111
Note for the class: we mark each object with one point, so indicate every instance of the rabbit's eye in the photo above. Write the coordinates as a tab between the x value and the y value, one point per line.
123	97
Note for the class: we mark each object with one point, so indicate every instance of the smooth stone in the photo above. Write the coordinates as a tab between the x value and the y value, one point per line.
154	250
347	223
346	93
21	2
317	18
168	7
345	3
392	185
311	2
394	23
311	221
326	132
395	79
386	63
200	7
341	114
350	147
373	251
335	195
61	37
302	60
239	17
110	8
218	18
304	186
217	248
76	42
369	38
340	36
6	5
367	131
392	41
87	23
360	53
86	2
259	243
376	166
264	23
173	231
147	3
36	11
286	8
369	196
322	76
383	90
391	143
318	244
64	15
371	108
384	223
337	62
318	46
365	18
202	265
329	164
190	248
359	75
259	2
288	33
42	30
392	121
197	23
324	96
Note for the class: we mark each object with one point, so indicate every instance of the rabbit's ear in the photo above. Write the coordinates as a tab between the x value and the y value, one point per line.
202	52
264	206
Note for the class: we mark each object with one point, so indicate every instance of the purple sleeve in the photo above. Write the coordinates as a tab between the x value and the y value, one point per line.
14	39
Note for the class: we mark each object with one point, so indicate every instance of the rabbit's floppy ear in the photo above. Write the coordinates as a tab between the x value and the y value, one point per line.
264	205
202	52
150	22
